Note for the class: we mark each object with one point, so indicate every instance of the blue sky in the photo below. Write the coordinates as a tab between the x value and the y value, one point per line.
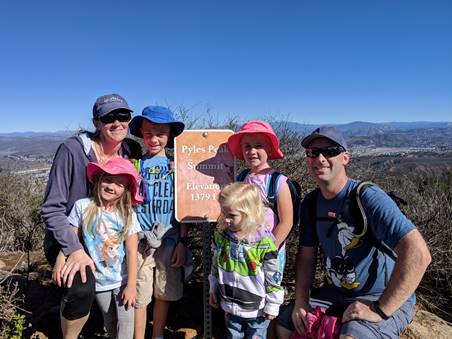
311	61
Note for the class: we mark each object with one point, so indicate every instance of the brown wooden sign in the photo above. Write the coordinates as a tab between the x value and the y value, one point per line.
203	166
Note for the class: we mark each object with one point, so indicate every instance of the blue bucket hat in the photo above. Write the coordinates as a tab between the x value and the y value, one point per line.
328	132
156	115
108	103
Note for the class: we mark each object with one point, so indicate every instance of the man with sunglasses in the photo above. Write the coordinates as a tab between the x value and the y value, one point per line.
67	183
372	293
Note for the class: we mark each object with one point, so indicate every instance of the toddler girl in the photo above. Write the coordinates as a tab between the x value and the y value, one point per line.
246	276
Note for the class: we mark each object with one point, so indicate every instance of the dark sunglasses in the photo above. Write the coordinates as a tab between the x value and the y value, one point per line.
113	116
328	152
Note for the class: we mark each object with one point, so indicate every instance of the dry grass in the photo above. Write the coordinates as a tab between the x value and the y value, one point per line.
21	227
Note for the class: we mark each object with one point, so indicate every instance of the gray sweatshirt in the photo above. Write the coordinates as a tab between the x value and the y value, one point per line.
67	184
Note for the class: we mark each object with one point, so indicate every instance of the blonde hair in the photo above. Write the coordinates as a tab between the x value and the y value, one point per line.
246	199
93	212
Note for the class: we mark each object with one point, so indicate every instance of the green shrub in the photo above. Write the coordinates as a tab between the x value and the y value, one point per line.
12	323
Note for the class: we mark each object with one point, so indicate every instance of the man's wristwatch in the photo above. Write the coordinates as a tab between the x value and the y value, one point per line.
375	306
184	241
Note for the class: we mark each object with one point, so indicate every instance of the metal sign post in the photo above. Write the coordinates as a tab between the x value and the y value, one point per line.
206	263
204	166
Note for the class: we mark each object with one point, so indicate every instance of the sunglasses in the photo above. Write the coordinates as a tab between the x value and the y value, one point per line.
113	116
327	152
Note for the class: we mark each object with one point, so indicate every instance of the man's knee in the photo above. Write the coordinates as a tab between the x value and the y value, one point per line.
284	325
390	328
282	332
77	300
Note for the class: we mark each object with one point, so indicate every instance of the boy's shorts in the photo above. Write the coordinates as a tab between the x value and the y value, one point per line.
156	276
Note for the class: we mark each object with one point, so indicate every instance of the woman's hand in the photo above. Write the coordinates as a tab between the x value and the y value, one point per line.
59	263
77	261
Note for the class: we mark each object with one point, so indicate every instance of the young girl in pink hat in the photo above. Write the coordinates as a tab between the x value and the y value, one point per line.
257	143
108	227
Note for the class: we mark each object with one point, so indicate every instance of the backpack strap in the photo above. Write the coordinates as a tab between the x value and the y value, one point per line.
272	192
171	166
355	196
311	204
137	164
242	175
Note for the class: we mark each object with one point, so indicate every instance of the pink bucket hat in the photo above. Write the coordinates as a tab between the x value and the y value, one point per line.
255	127
115	167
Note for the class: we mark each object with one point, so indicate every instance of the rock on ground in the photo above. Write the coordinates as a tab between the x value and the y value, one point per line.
187	333
427	325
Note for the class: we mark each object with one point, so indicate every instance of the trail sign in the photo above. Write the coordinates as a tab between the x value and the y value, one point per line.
204	166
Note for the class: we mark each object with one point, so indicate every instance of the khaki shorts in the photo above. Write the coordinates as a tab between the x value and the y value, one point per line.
156	276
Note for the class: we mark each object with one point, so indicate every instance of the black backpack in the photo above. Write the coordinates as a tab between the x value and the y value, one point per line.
295	192
357	214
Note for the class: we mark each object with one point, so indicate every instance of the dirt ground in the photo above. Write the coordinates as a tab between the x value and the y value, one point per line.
41	303
42	298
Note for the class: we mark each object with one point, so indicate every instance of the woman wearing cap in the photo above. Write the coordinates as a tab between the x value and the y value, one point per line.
68	183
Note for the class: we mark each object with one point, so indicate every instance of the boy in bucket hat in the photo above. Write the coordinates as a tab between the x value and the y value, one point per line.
162	250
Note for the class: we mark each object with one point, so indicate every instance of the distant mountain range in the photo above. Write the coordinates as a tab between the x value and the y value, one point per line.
358	134
371	128
351	128
57	134
389	134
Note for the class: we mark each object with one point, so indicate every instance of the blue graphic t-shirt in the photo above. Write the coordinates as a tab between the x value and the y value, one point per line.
353	266
106	245
157	186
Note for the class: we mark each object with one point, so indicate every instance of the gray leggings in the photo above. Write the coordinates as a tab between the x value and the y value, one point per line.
118	322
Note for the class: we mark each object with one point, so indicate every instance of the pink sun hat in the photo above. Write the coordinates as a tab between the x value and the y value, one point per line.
115	167
255	127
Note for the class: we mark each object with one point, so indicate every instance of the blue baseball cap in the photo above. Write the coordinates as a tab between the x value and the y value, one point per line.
108	103
156	115
328	132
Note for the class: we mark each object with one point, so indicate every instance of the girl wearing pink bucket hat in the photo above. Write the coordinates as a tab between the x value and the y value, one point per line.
256	143
108	227
255	127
